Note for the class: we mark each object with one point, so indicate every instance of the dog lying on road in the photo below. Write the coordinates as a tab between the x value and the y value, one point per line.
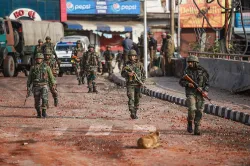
149	141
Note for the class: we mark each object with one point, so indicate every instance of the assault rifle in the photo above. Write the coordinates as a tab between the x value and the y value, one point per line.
135	75
186	77
29	92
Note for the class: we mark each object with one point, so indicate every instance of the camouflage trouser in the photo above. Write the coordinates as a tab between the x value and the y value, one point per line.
77	70
109	67
91	77
195	107
82	75
41	92
54	93
168	66
134	95
152	54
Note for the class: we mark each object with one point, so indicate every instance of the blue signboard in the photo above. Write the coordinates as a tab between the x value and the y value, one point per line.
246	20
103	7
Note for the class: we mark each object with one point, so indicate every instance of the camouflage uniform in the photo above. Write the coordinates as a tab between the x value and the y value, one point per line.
195	101
92	62
119	60
50	46
54	68
152	46
168	55
76	59
133	87
40	76
109	56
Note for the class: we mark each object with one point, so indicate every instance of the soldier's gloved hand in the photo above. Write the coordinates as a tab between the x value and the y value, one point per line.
190	85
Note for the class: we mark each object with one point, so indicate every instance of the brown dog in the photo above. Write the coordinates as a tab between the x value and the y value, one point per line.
149	141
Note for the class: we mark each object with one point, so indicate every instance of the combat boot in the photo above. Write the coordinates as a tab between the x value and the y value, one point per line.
189	127
79	81
55	102
94	89
38	113
44	113
133	114
83	82
197	130
90	90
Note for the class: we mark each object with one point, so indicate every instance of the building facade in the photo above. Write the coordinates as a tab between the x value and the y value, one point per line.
31	9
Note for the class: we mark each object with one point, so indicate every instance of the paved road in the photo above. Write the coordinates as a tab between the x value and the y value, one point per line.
95	129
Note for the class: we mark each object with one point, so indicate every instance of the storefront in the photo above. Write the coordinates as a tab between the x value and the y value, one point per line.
105	22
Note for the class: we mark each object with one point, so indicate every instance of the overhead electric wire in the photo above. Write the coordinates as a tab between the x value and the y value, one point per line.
204	15
243	26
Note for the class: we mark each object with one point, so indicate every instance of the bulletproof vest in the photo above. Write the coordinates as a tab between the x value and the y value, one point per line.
136	67
152	42
92	59
77	51
39	49
39	73
200	76
49	46
108	55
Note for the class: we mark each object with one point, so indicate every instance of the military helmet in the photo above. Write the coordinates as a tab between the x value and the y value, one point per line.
132	53
39	56
193	58
168	35
47	38
40	41
91	46
78	42
47	52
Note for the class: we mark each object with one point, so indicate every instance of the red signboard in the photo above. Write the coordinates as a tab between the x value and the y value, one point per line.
63	13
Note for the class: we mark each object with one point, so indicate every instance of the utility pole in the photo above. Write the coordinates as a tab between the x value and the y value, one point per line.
179	28
226	23
145	40
172	18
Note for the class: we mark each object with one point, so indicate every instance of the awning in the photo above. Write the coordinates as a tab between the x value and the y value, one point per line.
127	26
106	26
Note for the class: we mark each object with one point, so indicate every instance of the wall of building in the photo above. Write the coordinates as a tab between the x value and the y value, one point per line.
188	37
47	9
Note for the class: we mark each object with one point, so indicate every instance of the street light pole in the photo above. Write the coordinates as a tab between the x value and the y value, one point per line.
145	40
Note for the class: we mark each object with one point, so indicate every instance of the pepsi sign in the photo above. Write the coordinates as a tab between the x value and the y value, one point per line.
103	7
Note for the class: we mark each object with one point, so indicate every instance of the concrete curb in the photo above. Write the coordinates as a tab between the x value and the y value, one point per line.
212	109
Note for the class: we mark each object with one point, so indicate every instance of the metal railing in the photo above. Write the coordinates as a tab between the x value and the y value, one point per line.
237	57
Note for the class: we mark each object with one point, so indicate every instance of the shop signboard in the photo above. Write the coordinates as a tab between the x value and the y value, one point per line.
190	16
128	7
246	20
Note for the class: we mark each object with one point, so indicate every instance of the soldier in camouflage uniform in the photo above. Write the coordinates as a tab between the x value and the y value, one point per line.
92	62
133	87
50	46
38	49
168	55
77	54
54	68
40	77
108	56
119	60
195	100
